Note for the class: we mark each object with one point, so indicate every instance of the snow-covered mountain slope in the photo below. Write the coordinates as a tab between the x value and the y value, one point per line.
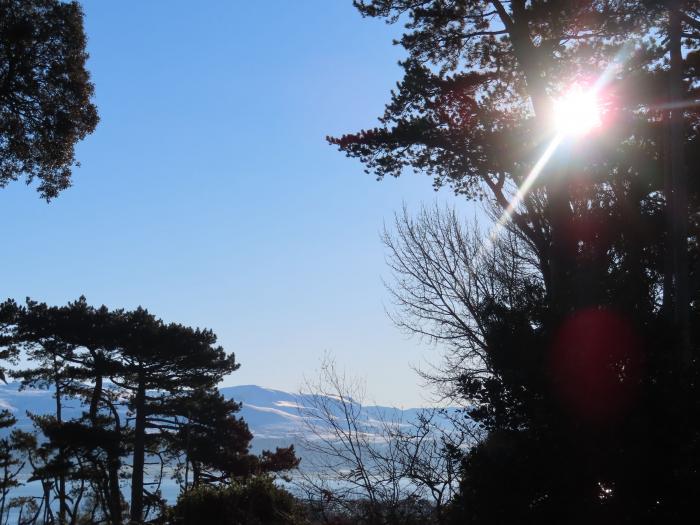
272	415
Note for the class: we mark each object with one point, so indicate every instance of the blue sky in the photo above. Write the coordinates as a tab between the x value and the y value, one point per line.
209	195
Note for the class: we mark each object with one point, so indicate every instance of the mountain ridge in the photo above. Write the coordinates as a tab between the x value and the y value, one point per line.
273	415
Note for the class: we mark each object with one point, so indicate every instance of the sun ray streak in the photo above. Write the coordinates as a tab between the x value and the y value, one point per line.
520	194
677	105
558	138
526	185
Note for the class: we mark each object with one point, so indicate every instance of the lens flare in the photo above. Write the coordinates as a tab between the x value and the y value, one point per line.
595	364
577	112
527	183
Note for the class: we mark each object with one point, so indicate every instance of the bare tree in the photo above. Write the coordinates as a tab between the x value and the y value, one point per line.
371	463
444	273
430	451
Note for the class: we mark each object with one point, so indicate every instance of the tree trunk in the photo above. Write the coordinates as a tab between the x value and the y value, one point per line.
139	453
5	482
556	261
114	463
95	400
62	505
113	495
48	513
560	257
679	208
669	270
115	500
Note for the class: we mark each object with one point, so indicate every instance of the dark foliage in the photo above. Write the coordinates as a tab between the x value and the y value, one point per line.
149	392
563	330
45	92
255	502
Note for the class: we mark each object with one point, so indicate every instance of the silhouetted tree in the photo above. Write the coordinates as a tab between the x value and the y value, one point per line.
78	347
203	426
372	466
10	464
571	413
555	327
41	460
157	361
475	107
8	350
682	24
257	501
51	354
71	347
111	361
45	92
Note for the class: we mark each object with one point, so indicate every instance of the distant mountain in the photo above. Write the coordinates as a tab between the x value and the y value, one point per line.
272	415
39	402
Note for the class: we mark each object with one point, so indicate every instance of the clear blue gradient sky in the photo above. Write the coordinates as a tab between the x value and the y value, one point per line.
209	195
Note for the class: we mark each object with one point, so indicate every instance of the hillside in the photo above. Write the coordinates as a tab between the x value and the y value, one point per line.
272	415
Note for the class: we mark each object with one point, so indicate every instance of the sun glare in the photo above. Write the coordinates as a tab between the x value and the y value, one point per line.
577	112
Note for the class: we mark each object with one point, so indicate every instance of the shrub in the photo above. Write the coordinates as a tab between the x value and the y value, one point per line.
252	502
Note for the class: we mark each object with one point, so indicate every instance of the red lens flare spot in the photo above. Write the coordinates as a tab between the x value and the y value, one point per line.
596	364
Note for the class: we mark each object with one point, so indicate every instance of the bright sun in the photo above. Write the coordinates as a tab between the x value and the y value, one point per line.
577	112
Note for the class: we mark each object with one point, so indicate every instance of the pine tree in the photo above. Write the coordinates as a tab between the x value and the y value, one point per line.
68	347
560	346
203	426
112	360
10	464
157	361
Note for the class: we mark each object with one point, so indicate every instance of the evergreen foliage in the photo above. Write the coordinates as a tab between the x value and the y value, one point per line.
150	398
565	332
257	501
45	92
